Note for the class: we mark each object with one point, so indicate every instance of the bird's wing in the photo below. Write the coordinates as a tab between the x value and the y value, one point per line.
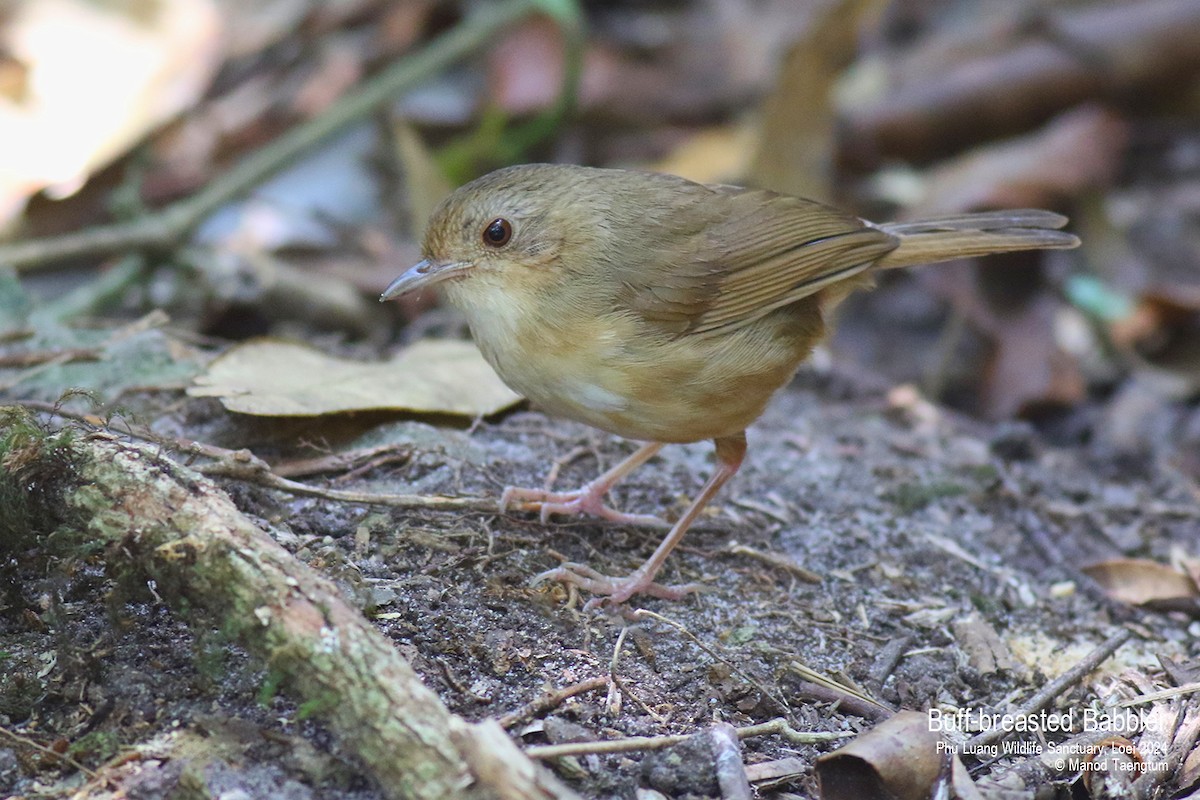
755	252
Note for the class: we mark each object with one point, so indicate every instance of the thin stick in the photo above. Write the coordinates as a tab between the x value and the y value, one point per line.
164	228
1165	694
612	703
218	565
1054	688
245	466
641	743
25	741
727	757
550	701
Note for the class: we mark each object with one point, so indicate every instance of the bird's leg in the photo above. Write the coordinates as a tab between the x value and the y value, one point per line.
590	498
730	452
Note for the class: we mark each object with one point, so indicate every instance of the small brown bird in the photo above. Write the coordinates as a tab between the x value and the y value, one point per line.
664	310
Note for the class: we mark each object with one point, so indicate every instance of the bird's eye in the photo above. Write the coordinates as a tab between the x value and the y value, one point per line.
497	233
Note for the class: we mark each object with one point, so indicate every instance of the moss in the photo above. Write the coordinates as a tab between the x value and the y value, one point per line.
36	465
210	657
270	687
20	685
95	747
912	497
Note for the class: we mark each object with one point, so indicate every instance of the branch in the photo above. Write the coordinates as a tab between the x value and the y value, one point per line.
165	522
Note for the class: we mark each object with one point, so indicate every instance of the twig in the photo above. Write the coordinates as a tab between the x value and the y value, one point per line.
164	228
886	660
639	702
843	700
1165	694
1054	688
557	464
821	688
163	522
727	758
38	357
612	703
635	744
245	466
25	741
551	700
774	560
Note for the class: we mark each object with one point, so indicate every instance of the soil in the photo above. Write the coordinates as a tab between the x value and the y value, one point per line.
946	553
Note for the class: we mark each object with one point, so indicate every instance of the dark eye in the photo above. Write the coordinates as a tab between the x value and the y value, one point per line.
497	233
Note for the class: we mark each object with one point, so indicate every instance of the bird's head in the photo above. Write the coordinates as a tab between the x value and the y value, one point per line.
506	230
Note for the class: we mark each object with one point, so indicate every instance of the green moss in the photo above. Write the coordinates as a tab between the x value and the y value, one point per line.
987	605
984	473
270	687
211	657
912	497
95	747
35	464
20	686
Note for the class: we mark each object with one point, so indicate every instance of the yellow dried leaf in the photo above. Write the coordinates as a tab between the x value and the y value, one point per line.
1138	581
274	378
95	79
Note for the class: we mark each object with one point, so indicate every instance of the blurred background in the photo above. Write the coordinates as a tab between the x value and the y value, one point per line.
112	111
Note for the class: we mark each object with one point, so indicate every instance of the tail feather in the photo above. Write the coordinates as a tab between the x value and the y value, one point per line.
970	235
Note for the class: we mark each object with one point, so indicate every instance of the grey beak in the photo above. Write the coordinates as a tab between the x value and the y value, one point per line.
421	275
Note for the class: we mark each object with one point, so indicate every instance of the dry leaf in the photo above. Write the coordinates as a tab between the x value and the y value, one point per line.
1142	582
796	150
779	769
96	80
273	378
425	184
1189	773
1078	151
1148	48
898	758
985	650
1163	336
712	155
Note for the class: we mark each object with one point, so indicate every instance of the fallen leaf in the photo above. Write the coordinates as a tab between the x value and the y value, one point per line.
711	155
1163	336
986	651
425	184
146	359
274	378
797	142
1076	152
898	758
781	768
1143	582
1189	773
96	80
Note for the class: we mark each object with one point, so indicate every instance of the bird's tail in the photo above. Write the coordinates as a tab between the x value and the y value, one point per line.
970	235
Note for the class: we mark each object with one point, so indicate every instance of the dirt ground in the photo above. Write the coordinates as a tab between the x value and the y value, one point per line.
945	555
876	553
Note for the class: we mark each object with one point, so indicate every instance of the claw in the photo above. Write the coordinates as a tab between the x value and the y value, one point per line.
583	501
613	591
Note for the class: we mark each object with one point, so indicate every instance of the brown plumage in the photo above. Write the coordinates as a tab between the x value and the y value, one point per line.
664	310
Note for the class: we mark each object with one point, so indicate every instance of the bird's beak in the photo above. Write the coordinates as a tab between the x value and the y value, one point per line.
421	275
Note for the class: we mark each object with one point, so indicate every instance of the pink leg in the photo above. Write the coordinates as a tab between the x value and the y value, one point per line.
589	499
730	452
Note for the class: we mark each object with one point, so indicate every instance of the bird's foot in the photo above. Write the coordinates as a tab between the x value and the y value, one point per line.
613	591
588	500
